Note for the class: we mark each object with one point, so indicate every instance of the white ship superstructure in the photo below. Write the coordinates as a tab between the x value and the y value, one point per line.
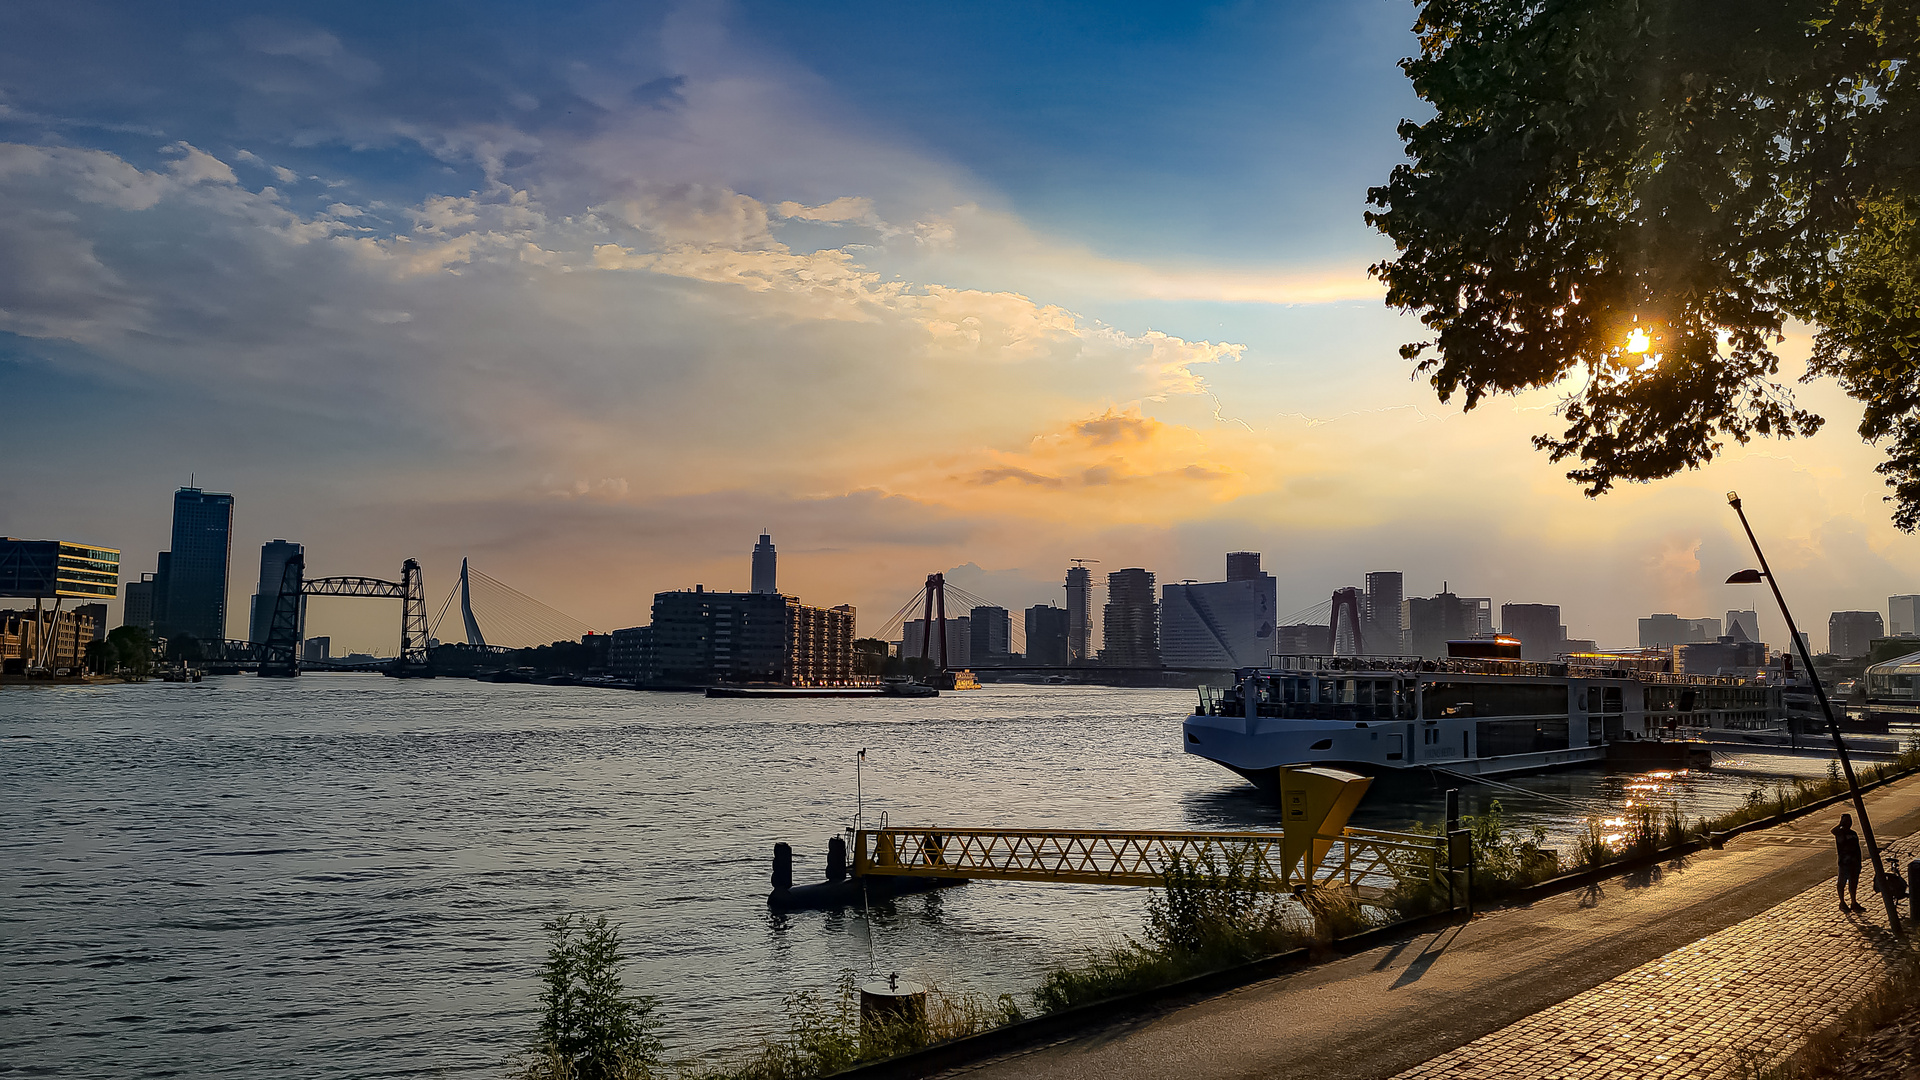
1481	715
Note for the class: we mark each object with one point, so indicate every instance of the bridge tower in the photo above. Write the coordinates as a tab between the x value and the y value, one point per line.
413	621
936	593
474	636
280	653
1347	599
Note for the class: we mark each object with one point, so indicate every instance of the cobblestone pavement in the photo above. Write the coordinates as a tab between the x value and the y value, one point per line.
1733	1000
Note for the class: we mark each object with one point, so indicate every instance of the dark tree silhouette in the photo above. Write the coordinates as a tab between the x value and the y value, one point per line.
1642	195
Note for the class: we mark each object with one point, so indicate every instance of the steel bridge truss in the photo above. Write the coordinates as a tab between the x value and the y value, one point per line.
1367	859
280	655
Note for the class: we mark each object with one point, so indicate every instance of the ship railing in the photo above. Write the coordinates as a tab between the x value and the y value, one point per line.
1372	860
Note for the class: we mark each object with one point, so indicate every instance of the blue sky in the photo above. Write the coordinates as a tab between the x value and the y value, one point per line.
915	286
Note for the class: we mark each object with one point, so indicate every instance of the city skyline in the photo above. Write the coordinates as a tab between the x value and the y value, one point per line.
478	319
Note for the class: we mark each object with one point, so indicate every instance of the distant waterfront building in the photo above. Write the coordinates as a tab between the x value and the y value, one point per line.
1301	639
764	566
274	555
630	656
1748	623
316	649
1219	624
63	569
1903	616
1537	626
1385	597
1243	566
1079	614
136	603
58	638
1733	653
1130	624
700	637
197	573
1481	608
989	635
1433	621
1047	636
916	641
1659	631
97	613
1851	633
161	579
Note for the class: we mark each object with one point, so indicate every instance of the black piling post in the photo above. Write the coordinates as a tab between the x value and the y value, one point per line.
1453	808
782	867
836	858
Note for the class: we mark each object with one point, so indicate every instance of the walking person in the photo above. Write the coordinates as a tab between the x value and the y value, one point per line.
1846	844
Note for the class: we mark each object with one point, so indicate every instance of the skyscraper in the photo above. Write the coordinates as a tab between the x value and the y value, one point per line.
1536	625
1131	622
197	572
763	566
990	635
1243	566
1851	633
1046	636
273	565
1079	614
1903	616
1747	621
1218	624
1385	634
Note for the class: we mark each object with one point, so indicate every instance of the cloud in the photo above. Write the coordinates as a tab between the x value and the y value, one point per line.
844	209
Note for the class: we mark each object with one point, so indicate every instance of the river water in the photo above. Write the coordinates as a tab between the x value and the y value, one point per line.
345	875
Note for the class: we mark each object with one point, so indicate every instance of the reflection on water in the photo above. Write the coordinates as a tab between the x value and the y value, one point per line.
345	875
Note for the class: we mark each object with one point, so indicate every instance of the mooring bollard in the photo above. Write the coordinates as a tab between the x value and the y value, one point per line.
782	867
890	1001
836	858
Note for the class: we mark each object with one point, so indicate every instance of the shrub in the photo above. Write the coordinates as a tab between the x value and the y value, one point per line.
590	1028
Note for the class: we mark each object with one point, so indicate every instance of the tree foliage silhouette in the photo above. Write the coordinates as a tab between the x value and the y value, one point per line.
1683	176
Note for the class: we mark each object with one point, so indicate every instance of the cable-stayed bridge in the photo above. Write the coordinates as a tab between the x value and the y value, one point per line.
495	617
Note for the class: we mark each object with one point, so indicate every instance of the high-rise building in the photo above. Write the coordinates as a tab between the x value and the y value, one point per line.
1222	625
316	649
1079	614
64	569
1301	639
274	555
197	573
1385	633
1851	633
702	637
136	603
1243	566
1482	613
162	563
97	613
630	656
1434	621
764	566
914	638
1047	636
989	635
1130	623
1537	626
1903	616
1658	631
1747	621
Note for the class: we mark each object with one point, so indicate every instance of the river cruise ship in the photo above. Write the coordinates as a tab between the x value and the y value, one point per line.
1480	711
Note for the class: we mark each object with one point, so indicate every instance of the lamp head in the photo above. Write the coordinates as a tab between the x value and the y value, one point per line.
1733	499
1746	577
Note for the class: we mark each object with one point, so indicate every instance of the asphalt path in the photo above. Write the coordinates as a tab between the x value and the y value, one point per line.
1377	1013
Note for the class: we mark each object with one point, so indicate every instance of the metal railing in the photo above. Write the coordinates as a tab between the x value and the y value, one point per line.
1360	857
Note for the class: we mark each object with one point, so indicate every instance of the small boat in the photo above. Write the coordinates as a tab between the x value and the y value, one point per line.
903	687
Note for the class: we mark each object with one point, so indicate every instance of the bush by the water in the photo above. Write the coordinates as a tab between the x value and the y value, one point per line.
591	1027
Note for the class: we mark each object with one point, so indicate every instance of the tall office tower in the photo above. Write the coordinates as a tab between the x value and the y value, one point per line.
763	566
1747	621
1219	625
1658	631
197	573
1903	616
1046	636
1434	621
1243	566
273	565
1851	633
990	635
1385	633
1537	626
136	603
1079	614
162	562
1131	621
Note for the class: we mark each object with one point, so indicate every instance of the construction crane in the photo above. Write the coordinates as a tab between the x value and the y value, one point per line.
1082	562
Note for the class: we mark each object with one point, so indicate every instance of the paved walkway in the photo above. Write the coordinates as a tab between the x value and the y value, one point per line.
1744	997
1425	1001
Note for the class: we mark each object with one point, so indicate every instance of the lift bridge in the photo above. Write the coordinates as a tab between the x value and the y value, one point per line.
518	619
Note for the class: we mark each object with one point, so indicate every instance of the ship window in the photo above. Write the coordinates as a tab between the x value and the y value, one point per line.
1323	744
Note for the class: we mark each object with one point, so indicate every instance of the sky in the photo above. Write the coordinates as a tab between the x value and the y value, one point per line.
593	293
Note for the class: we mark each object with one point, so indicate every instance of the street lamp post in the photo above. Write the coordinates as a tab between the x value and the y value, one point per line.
1753	577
